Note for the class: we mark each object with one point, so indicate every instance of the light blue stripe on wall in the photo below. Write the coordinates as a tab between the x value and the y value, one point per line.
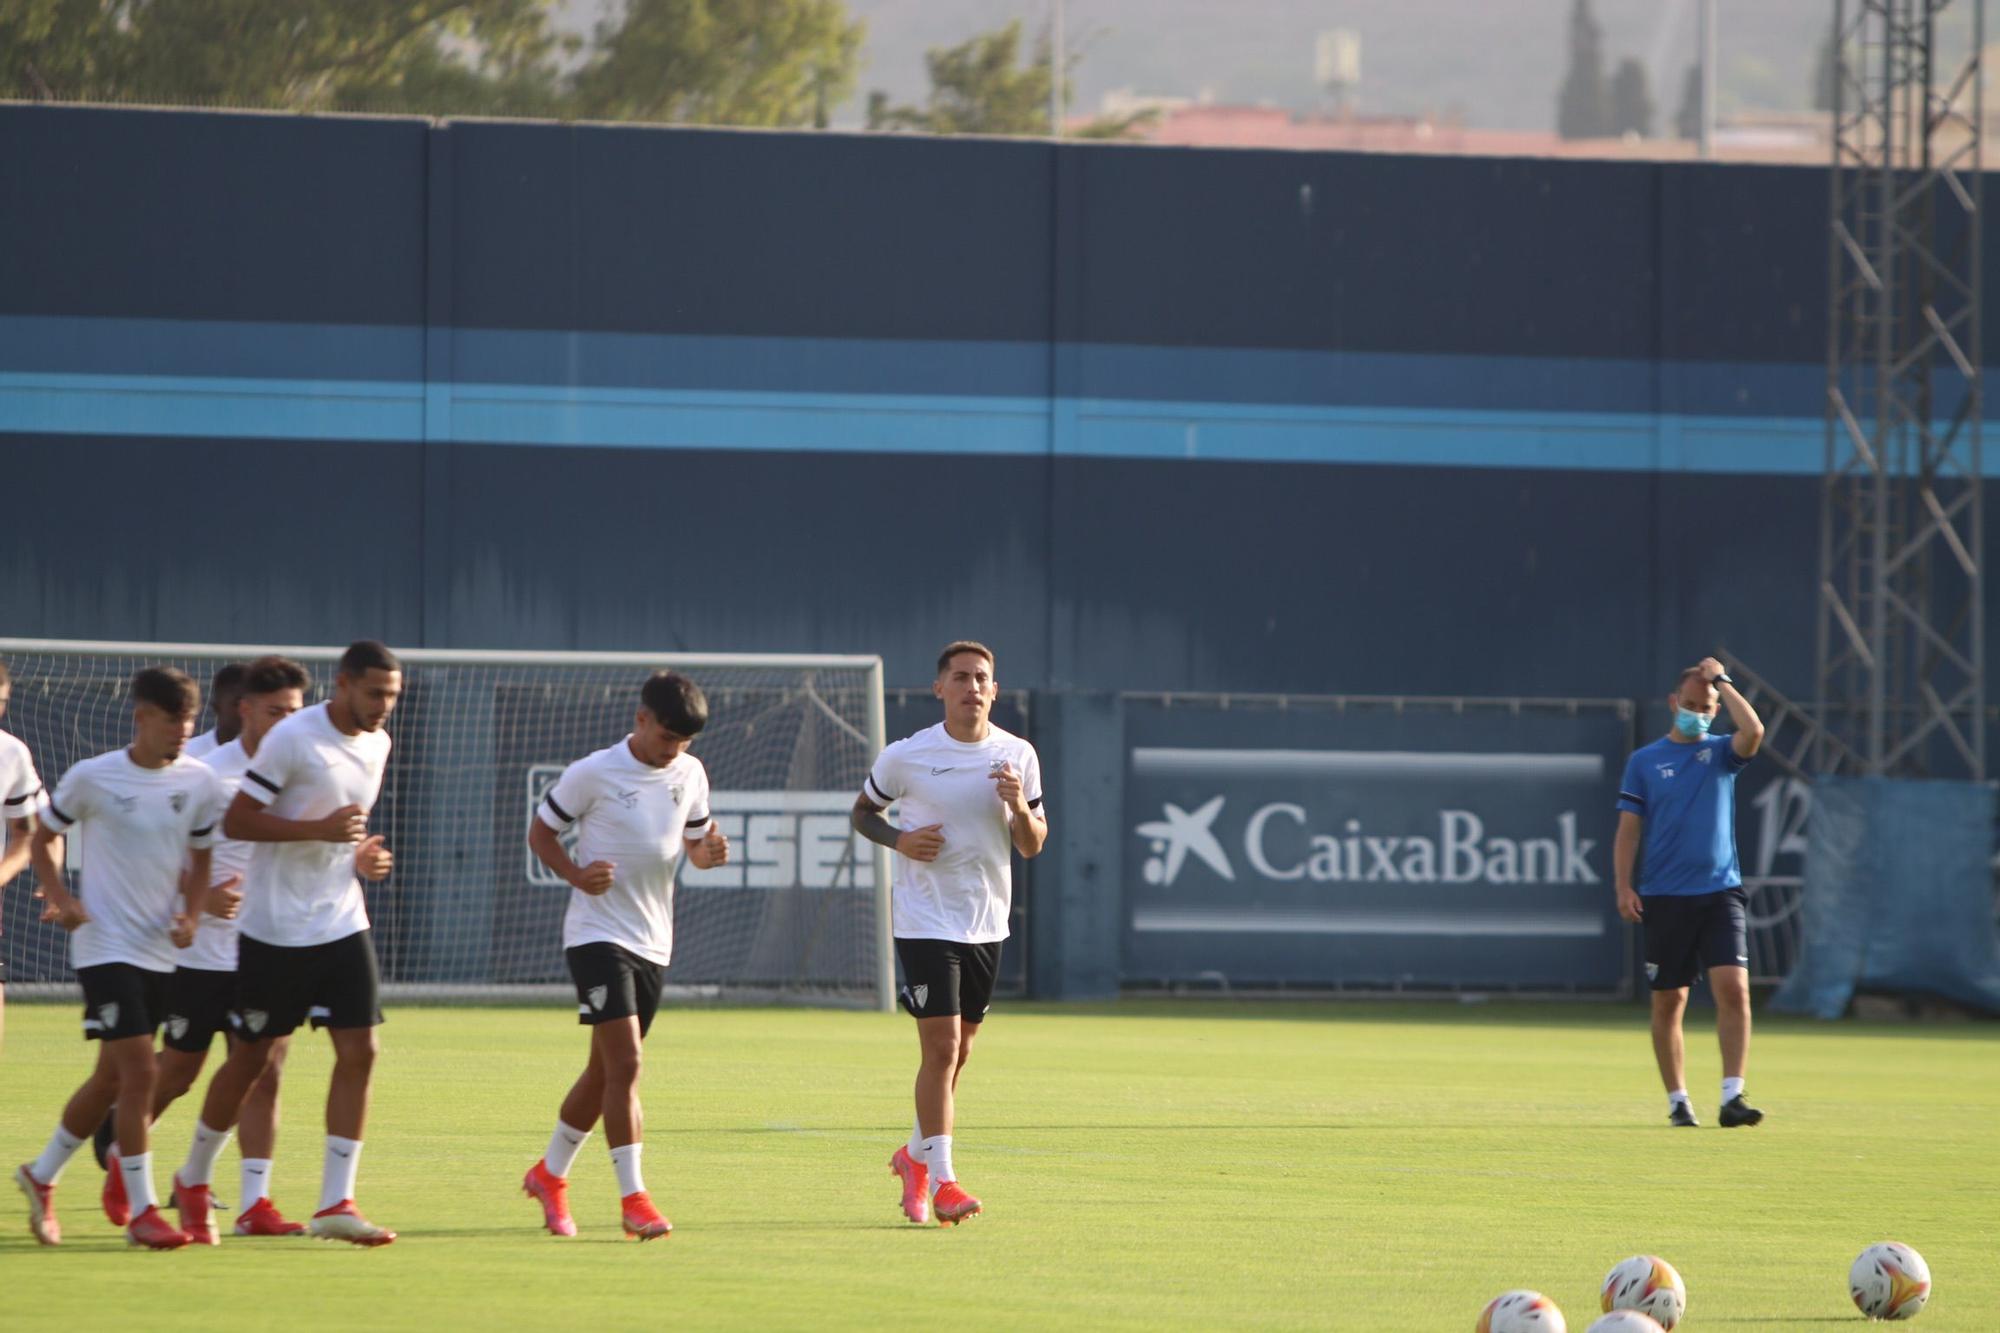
907	423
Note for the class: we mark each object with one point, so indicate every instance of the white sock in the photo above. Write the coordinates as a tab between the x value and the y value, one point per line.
625	1161
1732	1088
564	1145
343	1163
917	1142
207	1146
48	1168
1678	1097
937	1156
138	1173
256	1182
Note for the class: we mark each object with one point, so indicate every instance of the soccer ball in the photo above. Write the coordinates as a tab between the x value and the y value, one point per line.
1649	1285
1624	1321
1521	1312
1889	1281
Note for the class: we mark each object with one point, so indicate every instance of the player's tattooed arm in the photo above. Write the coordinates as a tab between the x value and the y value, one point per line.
921	844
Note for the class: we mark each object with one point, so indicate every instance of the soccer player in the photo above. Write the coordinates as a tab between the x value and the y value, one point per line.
968	796
203	988
1678	798
19	786
224	692
145	810
304	948
637	808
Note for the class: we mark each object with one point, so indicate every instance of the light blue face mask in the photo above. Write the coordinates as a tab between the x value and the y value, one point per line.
1691	724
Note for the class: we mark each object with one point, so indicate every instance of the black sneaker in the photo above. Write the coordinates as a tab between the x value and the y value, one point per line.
1682	1116
1736	1112
103	1141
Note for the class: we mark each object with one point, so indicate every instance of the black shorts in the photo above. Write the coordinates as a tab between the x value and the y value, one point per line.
1686	934
120	1000
198	1005
613	982
944	977
336	985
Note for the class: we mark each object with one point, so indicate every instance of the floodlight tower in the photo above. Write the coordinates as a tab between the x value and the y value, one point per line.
1901	662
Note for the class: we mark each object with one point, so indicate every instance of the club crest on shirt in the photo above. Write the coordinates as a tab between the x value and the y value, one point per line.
178	800
596	996
674	794
107	1014
177	1026
1703	756
995	765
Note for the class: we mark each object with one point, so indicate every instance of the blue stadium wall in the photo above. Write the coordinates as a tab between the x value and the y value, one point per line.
1144	419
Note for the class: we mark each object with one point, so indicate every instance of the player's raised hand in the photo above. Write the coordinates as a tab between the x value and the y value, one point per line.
715	847
225	898
347	825
596	878
68	913
372	858
1711	668
1008	784
922	844
181	932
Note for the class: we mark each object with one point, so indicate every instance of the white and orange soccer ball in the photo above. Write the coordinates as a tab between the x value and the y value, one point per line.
1521	1312
1624	1321
1889	1281
1648	1284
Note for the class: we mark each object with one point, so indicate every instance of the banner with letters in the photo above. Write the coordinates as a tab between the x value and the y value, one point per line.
1380	844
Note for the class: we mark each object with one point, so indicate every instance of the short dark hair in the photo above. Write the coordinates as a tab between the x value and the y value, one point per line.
365	655
1687	674
267	675
168	689
676	702
227	682
953	649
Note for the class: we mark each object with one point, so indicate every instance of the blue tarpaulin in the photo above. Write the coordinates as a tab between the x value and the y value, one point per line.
1898	895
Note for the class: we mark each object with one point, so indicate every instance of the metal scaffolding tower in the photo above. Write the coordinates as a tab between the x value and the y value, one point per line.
1901	645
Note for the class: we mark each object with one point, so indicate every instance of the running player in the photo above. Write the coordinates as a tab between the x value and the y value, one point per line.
146	811
637	808
224	691
304	950
19	786
1678	796
203	988
969	795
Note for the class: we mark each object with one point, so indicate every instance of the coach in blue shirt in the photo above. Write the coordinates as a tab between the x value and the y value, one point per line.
1678	799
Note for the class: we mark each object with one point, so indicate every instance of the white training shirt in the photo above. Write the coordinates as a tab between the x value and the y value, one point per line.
19	783
138	824
214	947
966	893
202	746
637	817
298	894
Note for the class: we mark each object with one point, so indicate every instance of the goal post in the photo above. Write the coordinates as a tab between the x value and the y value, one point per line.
800	914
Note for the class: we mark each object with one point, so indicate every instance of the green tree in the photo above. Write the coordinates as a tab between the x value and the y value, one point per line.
1583	105
982	86
723	62
301	55
1631	100
1825	73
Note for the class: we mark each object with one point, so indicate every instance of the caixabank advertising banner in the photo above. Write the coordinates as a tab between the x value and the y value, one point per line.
1379	844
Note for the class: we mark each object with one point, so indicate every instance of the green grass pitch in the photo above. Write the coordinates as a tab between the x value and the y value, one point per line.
1144	1165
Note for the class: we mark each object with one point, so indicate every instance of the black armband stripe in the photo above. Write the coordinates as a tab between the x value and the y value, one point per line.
869	783
562	814
201	832
1035	804
262	781
696	823
57	811
1628	796
17	800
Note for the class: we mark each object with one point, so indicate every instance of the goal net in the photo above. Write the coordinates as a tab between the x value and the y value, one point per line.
799	913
